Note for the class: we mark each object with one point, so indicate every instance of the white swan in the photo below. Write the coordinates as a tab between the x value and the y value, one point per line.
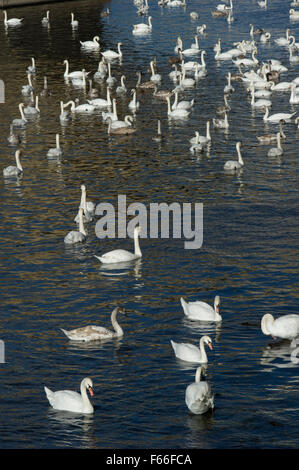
12	170
110	79
20	122
294	98
193	49
80	81
111	115
283	41
117	124
13	139
190	352
27	89
276	151
121	131
294	14
32	110
277	117
260	103
221	123
184	81
143	28
122	87
77	236
31	68
64	116
109	54
94	333
75	74
133	104
55	151
120	256
87	206
155	77
46	19
265	37
11	21
67	400
203	139
199	397
101	102
286	327
94	44
235	165
228	88
184	104
179	113
85	108
74	23
102	70
201	310
247	62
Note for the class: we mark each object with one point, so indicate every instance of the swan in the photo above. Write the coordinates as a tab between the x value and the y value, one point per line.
32	110
112	115
94	44
179	45
122	130
247	62
12	21
122	87
80	81
255	31
142	28
202	139
155	77
228	88
31	68
221	123
162	93
133	104
64	116
120	256
286	327
102	70
12	138
176	3
81	108
222	55
201	310
145	85
14	170
179	113
46	19
190	352
223	108
20	122
199	397
159	136
87	206
127	122
235	165
101	102
109	54
260	103
283	41
184	104
293	59
194	48
74	23
186	82
67	400
281	86
268	138
110	80
223	6
294	98
201	29
57	151
27	89
77	236
265	37
276	151
45	91
277	117
263	3
105	13
94	333
194	15
75	74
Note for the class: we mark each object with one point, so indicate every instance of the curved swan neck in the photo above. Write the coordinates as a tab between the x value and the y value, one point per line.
17	155
279	141
22	112
136	242
118	329
84	396
204	356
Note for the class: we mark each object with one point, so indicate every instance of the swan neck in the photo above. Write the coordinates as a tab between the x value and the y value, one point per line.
81	224
202	350
57	141
117	328
136	243
66	72
19	166
208	135
240	159
84	395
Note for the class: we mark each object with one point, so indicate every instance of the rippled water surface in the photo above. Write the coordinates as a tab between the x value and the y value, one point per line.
248	256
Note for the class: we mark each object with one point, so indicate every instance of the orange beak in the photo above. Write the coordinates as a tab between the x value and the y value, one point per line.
210	345
91	391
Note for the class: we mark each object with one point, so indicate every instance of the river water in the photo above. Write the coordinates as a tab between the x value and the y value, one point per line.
248	254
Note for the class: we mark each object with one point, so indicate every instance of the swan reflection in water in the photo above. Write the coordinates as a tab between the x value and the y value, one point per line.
122	269
67	424
281	355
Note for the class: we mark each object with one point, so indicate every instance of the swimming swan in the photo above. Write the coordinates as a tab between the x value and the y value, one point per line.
55	151
12	21
201	310
94	333
277	117
198	396
276	151
178	113
94	44
67	400
120	256
14	170
109	54
76	236
190	352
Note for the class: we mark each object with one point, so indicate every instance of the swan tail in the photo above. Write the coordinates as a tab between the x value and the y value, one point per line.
98	257
64	331
184	305
173	344
49	394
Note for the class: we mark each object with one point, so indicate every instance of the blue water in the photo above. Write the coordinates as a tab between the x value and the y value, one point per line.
248	255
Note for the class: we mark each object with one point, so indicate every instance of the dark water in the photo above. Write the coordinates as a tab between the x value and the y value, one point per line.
248	256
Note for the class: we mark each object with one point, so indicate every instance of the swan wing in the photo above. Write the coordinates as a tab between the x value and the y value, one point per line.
199	397
286	326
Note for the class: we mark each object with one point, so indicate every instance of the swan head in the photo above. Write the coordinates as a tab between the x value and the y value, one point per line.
267	318
87	383
207	340
217	303
96	39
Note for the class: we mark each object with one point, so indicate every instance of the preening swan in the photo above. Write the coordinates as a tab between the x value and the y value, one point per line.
286	327
201	310
120	256
293	13
276	151
94	333
199	397
76	236
67	400
277	117
20	122
12	21
232	164
190	352
55	151
94	44
109	54
12	170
